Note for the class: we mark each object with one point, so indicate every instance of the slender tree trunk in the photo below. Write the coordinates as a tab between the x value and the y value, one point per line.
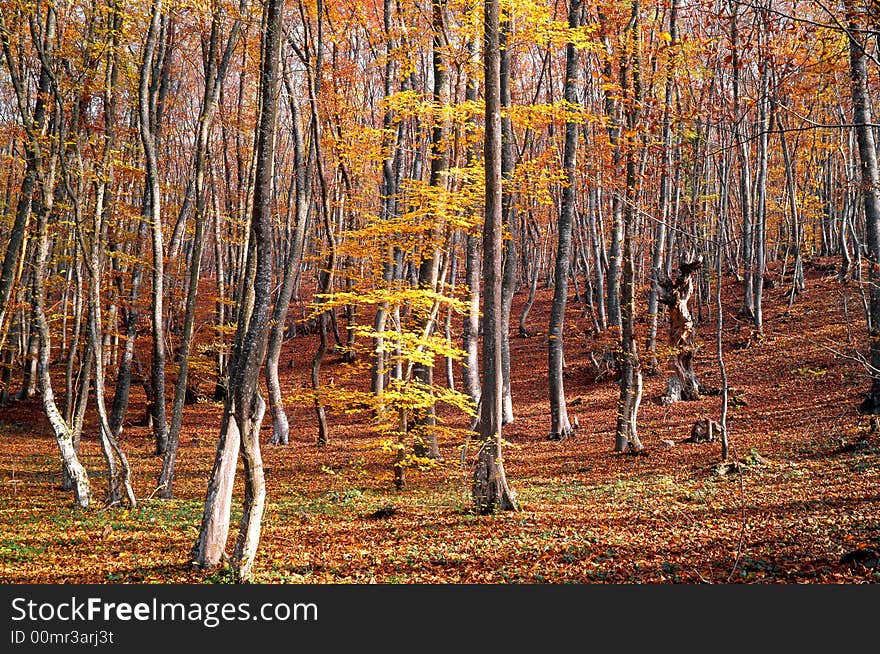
761	198
627	439
560	427
390	166
745	179
73	470
665	187
280	425
870	195
508	163
34	123
215	74
471	327
153	216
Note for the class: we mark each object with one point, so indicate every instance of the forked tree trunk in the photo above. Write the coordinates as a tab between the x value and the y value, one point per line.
72	468
245	408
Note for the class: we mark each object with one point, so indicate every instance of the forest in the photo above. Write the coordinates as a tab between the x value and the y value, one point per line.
441	291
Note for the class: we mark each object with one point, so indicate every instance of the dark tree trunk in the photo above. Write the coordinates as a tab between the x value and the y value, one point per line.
490	488
244	409
676	295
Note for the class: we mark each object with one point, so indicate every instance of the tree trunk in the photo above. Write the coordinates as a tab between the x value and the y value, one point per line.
471	327
676	295
153	215
627	439
560	427
870	194
72	468
490	489
215	74
665	187
245	408
302	166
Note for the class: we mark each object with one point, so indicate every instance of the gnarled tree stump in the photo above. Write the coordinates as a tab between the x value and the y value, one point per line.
675	295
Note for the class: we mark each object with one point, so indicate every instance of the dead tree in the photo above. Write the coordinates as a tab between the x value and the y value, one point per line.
675	295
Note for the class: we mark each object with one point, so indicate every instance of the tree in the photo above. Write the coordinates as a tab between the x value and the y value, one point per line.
215	73
147	90
491	491
870	195
244	408
676	295
560	427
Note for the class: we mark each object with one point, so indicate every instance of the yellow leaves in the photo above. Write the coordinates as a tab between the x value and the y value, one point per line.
536	23
538	116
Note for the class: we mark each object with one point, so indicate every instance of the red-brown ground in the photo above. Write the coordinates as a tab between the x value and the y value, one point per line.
809	491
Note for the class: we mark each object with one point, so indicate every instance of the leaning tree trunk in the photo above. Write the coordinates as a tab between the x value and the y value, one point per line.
683	385
870	192
490	489
560	427
73	470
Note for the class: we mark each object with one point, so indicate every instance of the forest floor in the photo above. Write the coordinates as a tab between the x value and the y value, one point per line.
807	491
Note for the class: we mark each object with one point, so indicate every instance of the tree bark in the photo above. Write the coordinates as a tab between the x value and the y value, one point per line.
676	295
870	195
244	409
153	215
560	427
490	489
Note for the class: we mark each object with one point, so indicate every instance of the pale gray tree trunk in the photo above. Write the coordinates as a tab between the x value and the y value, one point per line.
153	215
560	427
870	195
